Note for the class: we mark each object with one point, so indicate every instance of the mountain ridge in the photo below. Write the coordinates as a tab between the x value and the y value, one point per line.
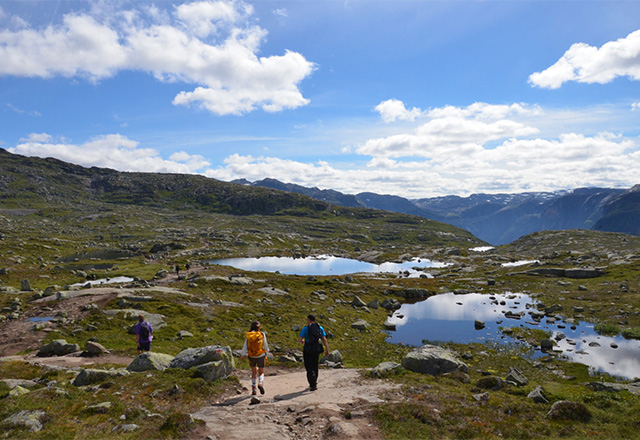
503	218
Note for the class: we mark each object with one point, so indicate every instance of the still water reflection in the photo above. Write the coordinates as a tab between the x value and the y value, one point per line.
450	318
325	265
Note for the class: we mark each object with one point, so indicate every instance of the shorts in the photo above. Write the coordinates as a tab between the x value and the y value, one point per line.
259	361
144	346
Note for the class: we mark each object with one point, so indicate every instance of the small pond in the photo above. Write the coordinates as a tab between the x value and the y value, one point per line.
327	265
451	318
114	280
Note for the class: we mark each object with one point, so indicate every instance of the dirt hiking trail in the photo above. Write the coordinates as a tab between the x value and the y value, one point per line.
339	409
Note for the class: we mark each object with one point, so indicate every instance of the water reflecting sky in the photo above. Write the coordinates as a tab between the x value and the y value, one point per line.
450	318
324	265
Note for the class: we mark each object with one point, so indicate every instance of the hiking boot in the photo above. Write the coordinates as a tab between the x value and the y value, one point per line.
261	388
313	388
254	391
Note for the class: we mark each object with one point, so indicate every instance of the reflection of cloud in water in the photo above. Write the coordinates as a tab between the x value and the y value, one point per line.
519	263
449	317
324	265
622	361
450	307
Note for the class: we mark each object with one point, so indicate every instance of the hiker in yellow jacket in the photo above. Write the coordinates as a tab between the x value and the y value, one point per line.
256	347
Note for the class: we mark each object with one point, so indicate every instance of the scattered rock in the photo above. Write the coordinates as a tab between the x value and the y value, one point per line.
90	376
391	304
569	410
150	361
59	347
192	357
357	302
384	369
515	376
360	324
213	370
99	408
95	349
434	360
32	420
18	391
537	395
184	334
479	325
491	383
25	286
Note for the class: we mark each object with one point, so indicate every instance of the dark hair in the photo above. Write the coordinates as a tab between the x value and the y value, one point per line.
311	318
140	318
254	326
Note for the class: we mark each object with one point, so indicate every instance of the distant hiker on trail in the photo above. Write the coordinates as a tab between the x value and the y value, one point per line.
314	337
144	334
255	345
187	266
177	270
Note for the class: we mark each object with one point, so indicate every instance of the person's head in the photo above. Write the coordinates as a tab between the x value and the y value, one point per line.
140	318
255	326
311	318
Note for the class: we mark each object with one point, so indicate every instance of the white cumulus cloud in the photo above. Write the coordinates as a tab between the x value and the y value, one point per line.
213	45
110	151
587	64
394	109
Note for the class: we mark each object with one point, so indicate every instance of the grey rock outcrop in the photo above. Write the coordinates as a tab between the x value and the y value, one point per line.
25	286
386	368
515	376
334	357
31	420
391	304
95	349
537	395
193	357
151	361
59	347
434	360
212	370
360	324
90	376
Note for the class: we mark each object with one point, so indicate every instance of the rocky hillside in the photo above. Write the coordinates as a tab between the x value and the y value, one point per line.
37	184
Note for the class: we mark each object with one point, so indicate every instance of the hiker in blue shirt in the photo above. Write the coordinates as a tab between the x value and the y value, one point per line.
144	334
314	337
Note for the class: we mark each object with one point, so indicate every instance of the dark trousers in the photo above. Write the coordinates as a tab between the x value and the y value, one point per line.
311	365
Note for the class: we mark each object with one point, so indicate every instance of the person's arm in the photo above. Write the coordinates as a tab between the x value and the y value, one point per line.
265	344
302	336
243	352
326	345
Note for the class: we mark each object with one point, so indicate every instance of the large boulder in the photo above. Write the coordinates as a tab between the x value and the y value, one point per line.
192	357
434	360
32	420
391	304
150	361
95	349
569	410
213	370
59	347
90	376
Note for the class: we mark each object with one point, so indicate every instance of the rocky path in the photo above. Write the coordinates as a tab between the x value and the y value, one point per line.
339	409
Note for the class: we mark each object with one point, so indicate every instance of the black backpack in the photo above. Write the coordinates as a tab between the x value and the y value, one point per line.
313	343
144	330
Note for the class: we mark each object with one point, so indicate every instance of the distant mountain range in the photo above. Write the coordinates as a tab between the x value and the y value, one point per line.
501	218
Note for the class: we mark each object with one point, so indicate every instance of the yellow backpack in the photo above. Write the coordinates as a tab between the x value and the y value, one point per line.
254	344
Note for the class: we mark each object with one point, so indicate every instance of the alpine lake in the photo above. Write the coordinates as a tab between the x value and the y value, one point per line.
470	317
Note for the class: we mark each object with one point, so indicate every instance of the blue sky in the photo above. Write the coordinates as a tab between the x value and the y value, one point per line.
413	98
